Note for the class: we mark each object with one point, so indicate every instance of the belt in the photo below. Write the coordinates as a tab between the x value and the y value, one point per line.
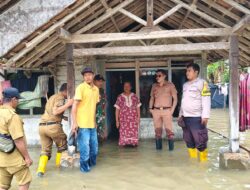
162	108
50	123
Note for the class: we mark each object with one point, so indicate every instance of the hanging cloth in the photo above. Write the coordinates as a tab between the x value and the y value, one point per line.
244	102
33	99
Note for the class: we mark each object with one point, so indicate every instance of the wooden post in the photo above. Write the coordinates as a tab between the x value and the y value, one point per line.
169	70
234	95
204	65
150	15
70	74
137	78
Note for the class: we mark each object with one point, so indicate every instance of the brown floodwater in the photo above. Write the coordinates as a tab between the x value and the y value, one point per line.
144	168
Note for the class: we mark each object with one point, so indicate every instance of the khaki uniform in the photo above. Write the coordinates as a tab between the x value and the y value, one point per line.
163	100
52	132
12	164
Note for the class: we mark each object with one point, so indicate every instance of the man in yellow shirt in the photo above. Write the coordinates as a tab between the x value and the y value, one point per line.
17	162
84	121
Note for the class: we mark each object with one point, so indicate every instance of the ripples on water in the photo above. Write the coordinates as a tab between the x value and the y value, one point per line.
144	168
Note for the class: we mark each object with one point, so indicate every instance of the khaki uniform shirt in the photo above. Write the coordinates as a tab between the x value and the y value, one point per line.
11	124
196	100
56	100
163	95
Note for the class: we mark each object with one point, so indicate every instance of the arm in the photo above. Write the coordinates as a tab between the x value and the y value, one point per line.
138	110
206	103
58	110
117	113
22	148
73	114
175	99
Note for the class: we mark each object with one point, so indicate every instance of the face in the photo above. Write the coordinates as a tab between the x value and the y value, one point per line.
160	77
99	83
65	94
127	87
14	102
191	73
88	77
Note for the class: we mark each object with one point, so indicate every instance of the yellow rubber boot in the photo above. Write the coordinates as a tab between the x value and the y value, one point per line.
58	159
203	155
193	153
42	165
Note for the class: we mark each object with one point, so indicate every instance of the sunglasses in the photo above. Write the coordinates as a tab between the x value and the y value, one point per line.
158	76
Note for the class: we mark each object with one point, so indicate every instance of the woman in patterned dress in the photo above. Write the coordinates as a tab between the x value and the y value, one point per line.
128	116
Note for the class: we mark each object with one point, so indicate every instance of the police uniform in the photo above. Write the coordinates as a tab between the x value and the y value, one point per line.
12	164
50	130
161	110
195	105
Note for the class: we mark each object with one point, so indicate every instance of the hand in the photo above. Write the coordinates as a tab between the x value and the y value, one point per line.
74	129
179	118
151	110
117	124
70	102
204	121
28	161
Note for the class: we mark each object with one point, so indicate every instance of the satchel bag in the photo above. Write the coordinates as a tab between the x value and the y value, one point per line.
7	144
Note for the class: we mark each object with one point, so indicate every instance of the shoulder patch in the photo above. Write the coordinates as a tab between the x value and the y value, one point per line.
205	90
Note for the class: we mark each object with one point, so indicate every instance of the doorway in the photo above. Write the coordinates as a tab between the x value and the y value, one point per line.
114	87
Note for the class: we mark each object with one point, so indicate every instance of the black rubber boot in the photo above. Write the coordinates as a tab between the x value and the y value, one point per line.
158	143
170	145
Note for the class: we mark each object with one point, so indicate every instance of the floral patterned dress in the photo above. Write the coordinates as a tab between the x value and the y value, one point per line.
128	119
100	116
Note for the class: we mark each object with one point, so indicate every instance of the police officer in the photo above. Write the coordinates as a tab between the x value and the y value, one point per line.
195	111
13	164
162	104
50	128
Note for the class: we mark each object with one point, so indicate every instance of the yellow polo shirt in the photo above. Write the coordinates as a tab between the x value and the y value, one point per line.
86	110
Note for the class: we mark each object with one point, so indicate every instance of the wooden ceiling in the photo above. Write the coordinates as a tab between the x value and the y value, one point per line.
6	4
104	16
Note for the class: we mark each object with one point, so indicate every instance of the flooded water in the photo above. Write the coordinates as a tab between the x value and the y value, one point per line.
144	168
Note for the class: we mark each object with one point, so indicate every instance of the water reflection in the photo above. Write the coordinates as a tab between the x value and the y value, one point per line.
145	168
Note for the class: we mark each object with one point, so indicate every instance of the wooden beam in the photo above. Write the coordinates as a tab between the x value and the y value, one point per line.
236	5
105	16
109	37
167	14
105	4
133	17
171	49
187	14
35	41
150	13
242	24
63	34
222	9
234	144
201	14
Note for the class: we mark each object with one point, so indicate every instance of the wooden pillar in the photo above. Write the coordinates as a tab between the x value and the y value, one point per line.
70	75
137	77
70	70
204	65
169	70
234	95
150	15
